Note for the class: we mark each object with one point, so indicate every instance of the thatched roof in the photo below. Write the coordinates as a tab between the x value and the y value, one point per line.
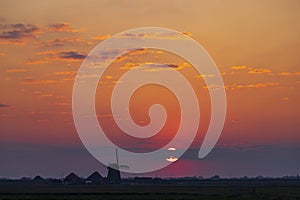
95	177
72	178
38	179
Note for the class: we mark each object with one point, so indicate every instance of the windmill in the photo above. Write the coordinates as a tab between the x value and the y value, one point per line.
113	175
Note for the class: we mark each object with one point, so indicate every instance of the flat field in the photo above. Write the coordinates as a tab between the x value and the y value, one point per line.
200	190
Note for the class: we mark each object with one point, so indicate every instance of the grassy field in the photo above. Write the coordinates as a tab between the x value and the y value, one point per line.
240	190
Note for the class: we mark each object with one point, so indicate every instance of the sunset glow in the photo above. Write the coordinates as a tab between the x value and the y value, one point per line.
254	44
171	159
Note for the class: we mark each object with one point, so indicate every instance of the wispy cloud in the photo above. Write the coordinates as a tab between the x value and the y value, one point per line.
18	33
243	69
187	33
65	55
61	27
138	51
239	67
289	73
66	73
201	76
243	86
128	66
213	87
16	70
153	67
71	55
2	105
259	71
36	61
63	41
101	37
47	95
261	85
38	82
156	35
251	85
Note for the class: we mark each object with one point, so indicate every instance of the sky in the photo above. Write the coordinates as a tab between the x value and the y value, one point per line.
255	45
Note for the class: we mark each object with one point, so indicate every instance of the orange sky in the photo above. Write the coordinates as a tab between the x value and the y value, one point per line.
255	45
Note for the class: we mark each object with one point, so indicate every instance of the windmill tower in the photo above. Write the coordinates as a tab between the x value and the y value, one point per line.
113	175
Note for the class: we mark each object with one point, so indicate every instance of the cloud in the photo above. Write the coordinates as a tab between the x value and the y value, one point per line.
66	73
237	86
259	71
252	85
62	27
101	37
174	66
239	67
213	87
187	34
138	51
51	52
289	73
261	85
63	41
135	52
128	66
16	70
154	67
36	62
156	35
202	76
72	56
18	33
4	105
38	82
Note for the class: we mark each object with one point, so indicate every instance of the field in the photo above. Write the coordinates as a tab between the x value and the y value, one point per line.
201	190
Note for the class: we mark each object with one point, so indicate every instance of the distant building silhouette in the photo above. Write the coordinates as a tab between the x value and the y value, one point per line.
95	178
72	179
39	179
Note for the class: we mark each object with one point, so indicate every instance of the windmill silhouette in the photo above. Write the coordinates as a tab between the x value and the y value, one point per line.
114	175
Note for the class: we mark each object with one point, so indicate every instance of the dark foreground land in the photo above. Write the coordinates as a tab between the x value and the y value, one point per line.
205	189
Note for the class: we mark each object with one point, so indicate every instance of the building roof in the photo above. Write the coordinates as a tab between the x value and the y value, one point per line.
95	177
72	178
